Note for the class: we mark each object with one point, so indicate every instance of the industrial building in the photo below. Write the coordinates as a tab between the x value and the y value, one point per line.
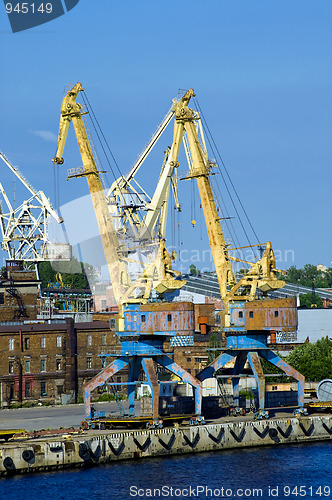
49	362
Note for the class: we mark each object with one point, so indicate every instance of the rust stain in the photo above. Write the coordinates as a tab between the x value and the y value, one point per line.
274	314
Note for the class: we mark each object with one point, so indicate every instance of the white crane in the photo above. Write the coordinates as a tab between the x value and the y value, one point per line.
25	228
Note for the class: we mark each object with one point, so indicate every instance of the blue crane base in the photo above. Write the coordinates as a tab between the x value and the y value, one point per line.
137	356
251	347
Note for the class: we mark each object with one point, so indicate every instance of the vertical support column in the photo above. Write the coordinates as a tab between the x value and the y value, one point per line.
135	367
257	369
150	372
87	402
240	361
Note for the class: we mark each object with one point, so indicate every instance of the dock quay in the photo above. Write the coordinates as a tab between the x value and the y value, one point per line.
77	448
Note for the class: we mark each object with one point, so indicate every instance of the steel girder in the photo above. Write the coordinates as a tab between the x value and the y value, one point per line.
99	380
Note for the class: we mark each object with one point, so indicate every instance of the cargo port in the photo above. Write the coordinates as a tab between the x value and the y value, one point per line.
190	358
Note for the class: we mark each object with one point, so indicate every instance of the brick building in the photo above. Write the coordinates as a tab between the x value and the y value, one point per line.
49	361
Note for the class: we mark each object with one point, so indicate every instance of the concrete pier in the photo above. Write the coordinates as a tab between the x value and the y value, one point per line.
96	447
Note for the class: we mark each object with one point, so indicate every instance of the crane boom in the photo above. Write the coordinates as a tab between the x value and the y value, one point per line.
71	111
39	195
161	194
154	139
200	170
262	273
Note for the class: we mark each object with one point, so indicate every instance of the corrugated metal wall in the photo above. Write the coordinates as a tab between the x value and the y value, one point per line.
315	324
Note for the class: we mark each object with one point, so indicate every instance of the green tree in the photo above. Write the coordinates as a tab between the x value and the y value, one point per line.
328	277
312	360
293	275
193	270
214	344
47	273
310	276
72	273
310	300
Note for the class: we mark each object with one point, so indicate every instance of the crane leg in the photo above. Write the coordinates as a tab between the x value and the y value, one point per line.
99	380
218	363
289	370
257	369
150	372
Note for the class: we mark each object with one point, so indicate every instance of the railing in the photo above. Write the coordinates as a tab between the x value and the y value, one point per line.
130	350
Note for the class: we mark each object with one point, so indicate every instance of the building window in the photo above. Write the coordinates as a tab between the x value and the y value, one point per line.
43	393
240	314
188	360
88	363
11	344
169	317
2	298
11	367
27	366
112	323
103	304
58	365
276	314
89	340
43	365
27	390
59	390
103	339
118	380
251	314
143	318
59	341
218	319
27	343
43	342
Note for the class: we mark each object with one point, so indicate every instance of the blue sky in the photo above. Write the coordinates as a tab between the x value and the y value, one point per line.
262	72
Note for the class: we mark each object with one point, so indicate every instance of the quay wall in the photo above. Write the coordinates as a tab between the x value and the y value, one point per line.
97	447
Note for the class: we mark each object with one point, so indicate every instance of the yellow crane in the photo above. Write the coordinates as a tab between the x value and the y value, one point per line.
71	111
157	274
263	273
247	322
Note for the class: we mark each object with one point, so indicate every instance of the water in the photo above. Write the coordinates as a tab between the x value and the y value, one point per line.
267	472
